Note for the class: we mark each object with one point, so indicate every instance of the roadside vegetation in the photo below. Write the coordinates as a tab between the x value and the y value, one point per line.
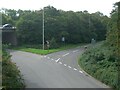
0	71
0	65
11	77
103	61
76	27
37	49
100	62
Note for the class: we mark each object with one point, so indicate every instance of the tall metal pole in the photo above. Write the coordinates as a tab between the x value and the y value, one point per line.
43	28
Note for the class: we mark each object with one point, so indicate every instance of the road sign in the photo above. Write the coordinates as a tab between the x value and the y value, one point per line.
63	39
93	41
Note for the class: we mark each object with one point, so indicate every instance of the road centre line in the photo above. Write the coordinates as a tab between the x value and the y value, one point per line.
69	66
65	54
57	60
60	62
48	57
65	64
44	56
75	69
52	59
75	51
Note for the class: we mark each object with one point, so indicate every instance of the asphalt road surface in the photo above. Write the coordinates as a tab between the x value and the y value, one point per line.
56	70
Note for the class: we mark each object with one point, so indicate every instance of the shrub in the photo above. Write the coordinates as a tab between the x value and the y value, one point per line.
53	44
11	77
100	62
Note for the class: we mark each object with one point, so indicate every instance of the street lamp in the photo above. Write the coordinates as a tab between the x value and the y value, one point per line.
43	28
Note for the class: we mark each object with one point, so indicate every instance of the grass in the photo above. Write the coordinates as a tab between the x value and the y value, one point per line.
44	52
39	51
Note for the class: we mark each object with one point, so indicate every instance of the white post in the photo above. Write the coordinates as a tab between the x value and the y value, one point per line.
43	28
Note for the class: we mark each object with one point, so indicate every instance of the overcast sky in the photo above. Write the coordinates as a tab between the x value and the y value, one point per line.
104	6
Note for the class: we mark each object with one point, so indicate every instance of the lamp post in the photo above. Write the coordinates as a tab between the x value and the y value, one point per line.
43	28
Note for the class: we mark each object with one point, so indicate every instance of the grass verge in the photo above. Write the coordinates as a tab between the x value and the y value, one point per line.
44	52
101	63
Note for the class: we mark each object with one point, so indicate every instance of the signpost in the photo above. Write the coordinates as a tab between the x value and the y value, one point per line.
63	39
93	41
48	45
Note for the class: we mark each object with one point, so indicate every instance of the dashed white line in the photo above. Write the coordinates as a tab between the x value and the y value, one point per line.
75	69
69	66
44	56
41	56
60	62
52	59
80	71
57	60
48	57
65	54
75	51
65	64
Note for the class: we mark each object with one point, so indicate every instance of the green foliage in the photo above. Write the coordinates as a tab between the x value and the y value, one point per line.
76	27
101	63
53	44
6	19
113	34
34	49
38	51
11	77
29	30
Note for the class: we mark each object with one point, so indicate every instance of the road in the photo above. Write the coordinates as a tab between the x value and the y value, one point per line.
56	70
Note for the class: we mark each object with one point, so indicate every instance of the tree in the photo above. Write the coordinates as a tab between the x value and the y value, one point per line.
76	27
29	28
53	43
113	30
6	19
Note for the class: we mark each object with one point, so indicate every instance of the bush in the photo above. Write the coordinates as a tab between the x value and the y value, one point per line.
53	44
11	77
33	46
100	62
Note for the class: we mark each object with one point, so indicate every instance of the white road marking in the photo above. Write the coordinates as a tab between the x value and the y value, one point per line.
44	56
52	59
65	54
57	60
60	62
48	57
75	69
75	51
65	64
80	71
69	66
